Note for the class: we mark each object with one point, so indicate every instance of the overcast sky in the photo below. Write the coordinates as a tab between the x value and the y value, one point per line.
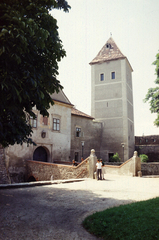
84	31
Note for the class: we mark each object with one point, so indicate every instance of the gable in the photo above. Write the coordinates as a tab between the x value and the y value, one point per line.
60	97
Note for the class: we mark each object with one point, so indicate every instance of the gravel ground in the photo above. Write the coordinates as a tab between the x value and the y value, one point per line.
57	211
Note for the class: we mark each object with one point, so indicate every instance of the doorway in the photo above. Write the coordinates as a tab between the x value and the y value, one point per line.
111	155
40	154
76	156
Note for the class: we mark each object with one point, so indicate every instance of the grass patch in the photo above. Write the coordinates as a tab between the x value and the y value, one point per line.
138	220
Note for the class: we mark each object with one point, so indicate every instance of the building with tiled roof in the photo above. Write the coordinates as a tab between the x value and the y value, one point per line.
71	134
76	112
109	52
112	100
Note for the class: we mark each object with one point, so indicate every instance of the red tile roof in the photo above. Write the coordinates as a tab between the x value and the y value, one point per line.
74	111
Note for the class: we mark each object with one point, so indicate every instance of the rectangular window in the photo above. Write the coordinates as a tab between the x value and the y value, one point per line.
113	75
56	124
111	155
33	122
78	132
45	120
102	76
76	156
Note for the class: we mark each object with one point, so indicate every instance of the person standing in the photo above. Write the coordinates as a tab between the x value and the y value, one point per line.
103	169
74	163
99	170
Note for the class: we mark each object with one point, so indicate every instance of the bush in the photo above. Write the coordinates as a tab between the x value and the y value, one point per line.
144	157
115	158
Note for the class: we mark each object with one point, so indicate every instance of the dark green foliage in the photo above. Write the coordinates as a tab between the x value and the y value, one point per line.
138	221
153	93
30	50
115	158
144	157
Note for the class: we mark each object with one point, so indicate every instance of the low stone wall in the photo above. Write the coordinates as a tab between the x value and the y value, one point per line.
152	151
114	163
42	171
129	168
124	169
150	168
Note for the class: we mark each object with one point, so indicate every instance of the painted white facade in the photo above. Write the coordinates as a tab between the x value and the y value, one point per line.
55	144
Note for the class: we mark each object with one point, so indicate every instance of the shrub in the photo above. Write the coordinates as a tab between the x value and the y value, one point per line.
115	158
144	157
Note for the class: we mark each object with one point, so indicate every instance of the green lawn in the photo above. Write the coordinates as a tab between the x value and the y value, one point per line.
139	221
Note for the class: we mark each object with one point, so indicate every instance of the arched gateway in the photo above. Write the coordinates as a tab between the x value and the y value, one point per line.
40	154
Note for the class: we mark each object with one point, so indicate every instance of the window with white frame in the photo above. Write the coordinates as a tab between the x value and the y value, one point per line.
56	124
102	77
33	122
112	75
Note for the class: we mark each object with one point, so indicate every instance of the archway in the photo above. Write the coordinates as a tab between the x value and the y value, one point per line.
31	179
40	154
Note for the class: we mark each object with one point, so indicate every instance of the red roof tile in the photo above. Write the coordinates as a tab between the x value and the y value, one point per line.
74	111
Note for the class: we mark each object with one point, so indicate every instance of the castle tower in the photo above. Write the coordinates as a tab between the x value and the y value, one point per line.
112	101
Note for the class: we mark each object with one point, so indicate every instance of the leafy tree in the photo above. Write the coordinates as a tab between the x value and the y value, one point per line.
153	93
115	158
144	157
30	50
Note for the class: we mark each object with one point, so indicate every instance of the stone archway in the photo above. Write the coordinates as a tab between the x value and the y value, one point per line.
40	154
31	179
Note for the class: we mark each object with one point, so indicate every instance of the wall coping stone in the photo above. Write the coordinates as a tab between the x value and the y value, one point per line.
113	166
56	164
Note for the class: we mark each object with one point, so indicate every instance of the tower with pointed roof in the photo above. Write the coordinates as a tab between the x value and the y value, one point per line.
112	100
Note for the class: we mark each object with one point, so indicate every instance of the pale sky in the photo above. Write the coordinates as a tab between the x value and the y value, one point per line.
84	31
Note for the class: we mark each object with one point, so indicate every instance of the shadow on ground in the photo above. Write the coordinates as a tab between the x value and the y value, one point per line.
48	212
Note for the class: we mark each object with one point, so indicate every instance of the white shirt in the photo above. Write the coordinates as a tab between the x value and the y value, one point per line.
99	165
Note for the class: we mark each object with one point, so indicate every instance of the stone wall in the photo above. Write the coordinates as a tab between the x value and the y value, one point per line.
90	134
112	103
148	145
129	168
4	178
150	168
147	140
146	168
152	151
42	171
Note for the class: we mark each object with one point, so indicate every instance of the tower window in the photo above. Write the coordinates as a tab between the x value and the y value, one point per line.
113	75
102	76
108	45
78	132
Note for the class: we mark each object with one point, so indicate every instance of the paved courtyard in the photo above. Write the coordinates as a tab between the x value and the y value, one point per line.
56	211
